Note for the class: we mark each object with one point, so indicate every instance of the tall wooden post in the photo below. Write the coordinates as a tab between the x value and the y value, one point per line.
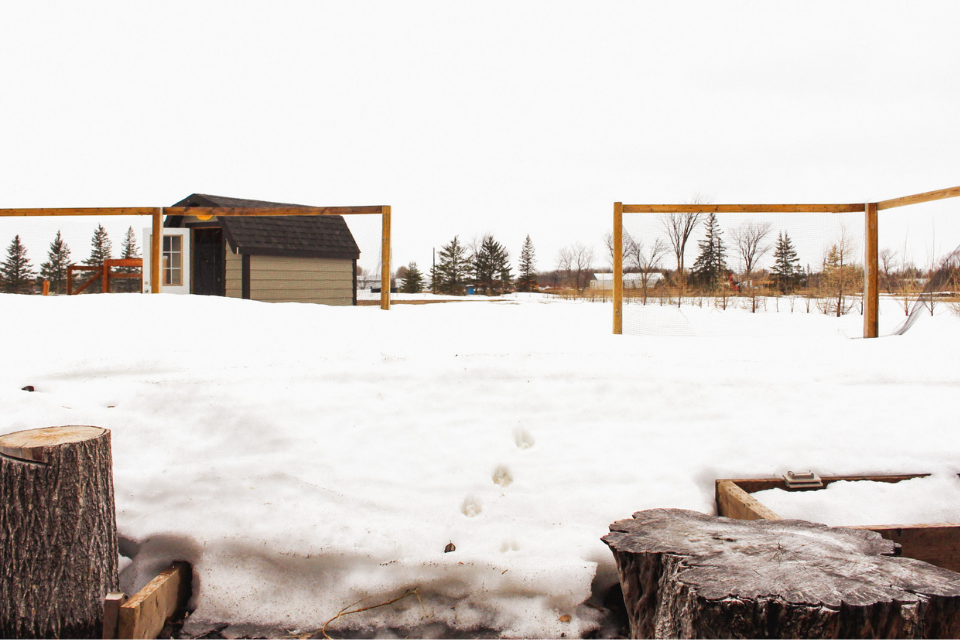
385	256
58	532
617	268
871	288
156	245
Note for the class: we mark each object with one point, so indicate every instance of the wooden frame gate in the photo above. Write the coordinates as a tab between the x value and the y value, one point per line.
871	294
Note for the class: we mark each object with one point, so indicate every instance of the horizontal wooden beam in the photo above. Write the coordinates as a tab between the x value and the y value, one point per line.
80	211
744	208
271	211
929	196
194	211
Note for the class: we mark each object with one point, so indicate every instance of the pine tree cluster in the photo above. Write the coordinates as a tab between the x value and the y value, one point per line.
487	268
17	274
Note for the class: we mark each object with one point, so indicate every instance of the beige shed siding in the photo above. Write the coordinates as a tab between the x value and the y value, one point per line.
234	274
289	279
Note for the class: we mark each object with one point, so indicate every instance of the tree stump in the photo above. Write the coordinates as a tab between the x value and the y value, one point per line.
688	575
58	532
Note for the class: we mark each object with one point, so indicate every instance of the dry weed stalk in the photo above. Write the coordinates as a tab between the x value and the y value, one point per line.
345	612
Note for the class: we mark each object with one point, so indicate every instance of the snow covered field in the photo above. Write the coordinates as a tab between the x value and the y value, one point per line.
305	457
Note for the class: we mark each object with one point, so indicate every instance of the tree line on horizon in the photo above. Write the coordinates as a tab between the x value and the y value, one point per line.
484	264
18	275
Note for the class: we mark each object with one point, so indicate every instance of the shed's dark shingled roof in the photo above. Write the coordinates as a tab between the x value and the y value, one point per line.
305	236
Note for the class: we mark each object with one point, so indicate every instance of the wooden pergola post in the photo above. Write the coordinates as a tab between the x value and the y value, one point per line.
385	258
871	289
617	268
156	244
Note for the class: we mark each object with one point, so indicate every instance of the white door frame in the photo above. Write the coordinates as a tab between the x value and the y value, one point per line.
165	288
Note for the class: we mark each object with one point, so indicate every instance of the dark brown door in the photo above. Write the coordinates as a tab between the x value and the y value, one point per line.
208	265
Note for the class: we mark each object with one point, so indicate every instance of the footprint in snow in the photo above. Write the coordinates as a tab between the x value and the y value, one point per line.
471	506
523	438
502	476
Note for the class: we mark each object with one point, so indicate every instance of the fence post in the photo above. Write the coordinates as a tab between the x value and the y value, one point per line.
617	268
871	290
385	258
156	244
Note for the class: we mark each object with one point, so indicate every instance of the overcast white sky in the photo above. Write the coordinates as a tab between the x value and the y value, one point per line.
513	118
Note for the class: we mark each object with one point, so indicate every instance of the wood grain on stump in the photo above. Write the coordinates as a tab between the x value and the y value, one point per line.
688	575
58	532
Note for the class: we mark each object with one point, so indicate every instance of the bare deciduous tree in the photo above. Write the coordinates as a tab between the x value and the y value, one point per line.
679	227
749	240
888	265
646	260
576	262
626	242
840	275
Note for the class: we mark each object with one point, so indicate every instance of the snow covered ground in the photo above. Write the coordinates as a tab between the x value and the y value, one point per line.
304	457
926	500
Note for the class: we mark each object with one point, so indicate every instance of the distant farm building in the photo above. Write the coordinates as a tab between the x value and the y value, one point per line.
604	281
271	259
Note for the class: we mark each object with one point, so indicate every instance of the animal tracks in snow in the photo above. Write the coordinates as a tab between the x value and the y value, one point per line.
502	476
471	507
523	438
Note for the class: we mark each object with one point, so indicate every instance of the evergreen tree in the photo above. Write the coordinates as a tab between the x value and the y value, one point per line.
527	278
54	270
453	269
490	266
101	248
786	267
129	250
710	269
16	272
412	280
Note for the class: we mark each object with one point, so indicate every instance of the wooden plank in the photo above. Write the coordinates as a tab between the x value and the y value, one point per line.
385	258
124	262
743	208
191	211
272	211
734	502
156	244
617	268
86	283
871	290
146	613
111	614
929	196
752	485
79	211
937	544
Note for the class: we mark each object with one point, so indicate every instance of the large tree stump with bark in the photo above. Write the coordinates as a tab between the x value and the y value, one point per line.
688	575
58	532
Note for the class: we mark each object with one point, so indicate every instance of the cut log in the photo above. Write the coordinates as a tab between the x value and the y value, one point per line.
688	575
58	532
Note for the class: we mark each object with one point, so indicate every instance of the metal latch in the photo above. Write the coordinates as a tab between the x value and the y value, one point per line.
802	480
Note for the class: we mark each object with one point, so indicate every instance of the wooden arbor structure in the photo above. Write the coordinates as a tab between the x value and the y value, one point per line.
157	213
871	294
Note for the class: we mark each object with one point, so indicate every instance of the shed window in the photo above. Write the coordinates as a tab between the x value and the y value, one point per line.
173	261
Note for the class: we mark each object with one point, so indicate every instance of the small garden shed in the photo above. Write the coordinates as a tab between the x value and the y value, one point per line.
267	258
